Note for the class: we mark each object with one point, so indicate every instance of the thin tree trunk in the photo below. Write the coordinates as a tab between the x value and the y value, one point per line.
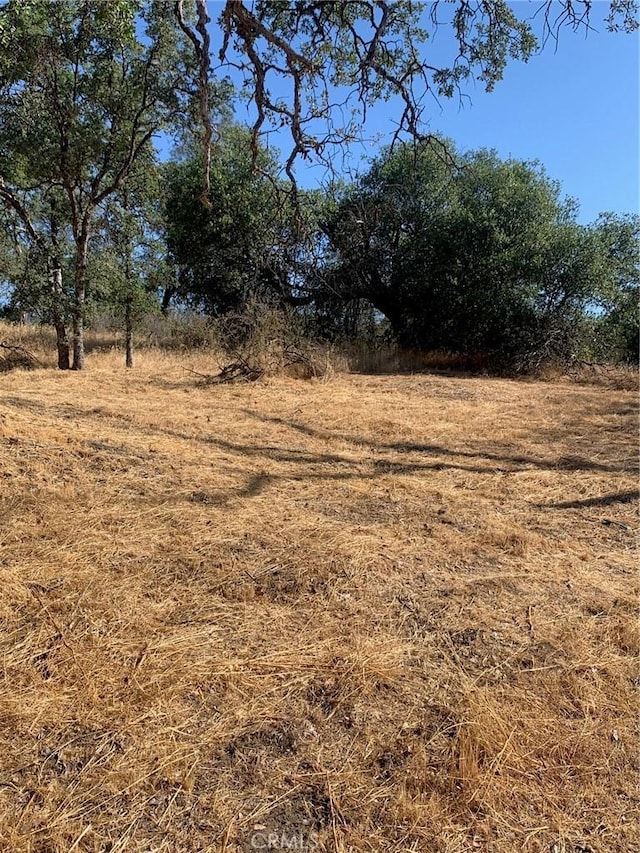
62	339
167	296
82	246
128	324
128	305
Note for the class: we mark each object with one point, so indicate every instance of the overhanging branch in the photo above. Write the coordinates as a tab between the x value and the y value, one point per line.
202	47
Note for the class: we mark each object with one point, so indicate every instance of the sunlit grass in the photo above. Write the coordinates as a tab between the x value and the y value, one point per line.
398	612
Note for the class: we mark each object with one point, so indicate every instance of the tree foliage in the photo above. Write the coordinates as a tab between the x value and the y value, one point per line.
487	259
616	325
84	87
334	60
127	262
245	243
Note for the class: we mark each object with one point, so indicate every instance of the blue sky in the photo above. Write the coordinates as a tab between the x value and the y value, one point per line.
574	107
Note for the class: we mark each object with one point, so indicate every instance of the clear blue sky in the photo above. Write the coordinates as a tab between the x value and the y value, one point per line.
575	108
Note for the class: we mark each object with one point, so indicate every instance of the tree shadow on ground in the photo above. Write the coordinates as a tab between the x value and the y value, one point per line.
349	468
602	500
562	463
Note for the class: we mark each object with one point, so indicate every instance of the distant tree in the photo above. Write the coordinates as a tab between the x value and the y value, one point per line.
127	261
616	326
36	262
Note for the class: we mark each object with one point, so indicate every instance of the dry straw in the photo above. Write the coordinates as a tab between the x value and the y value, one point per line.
397	613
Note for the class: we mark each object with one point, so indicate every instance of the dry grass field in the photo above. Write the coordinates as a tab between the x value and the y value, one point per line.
389	613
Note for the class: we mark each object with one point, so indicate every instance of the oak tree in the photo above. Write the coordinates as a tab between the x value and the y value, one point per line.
84	88
85	85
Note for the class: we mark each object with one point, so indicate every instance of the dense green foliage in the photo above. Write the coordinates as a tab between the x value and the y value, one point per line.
616	328
436	250
84	86
484	258
237	247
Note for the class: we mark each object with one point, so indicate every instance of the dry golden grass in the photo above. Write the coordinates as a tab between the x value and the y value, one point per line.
396	612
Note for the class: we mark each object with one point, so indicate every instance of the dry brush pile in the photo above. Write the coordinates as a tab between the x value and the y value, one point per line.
392	613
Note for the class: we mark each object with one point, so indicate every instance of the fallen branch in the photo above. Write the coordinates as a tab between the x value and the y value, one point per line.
16	357
236	371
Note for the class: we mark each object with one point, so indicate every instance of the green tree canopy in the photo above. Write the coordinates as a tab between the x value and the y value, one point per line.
246	242
84	87
488	258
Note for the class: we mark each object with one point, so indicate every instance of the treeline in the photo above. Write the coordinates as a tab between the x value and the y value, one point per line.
429	248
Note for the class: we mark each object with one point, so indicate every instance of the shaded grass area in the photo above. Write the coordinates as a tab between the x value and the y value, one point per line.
385	613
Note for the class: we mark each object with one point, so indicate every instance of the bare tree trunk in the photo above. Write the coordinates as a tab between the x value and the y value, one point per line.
128	305
62	342
82	246
167	296
62	339
128	326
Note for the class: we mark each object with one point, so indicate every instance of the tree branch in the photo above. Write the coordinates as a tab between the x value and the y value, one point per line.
12	201
201	43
